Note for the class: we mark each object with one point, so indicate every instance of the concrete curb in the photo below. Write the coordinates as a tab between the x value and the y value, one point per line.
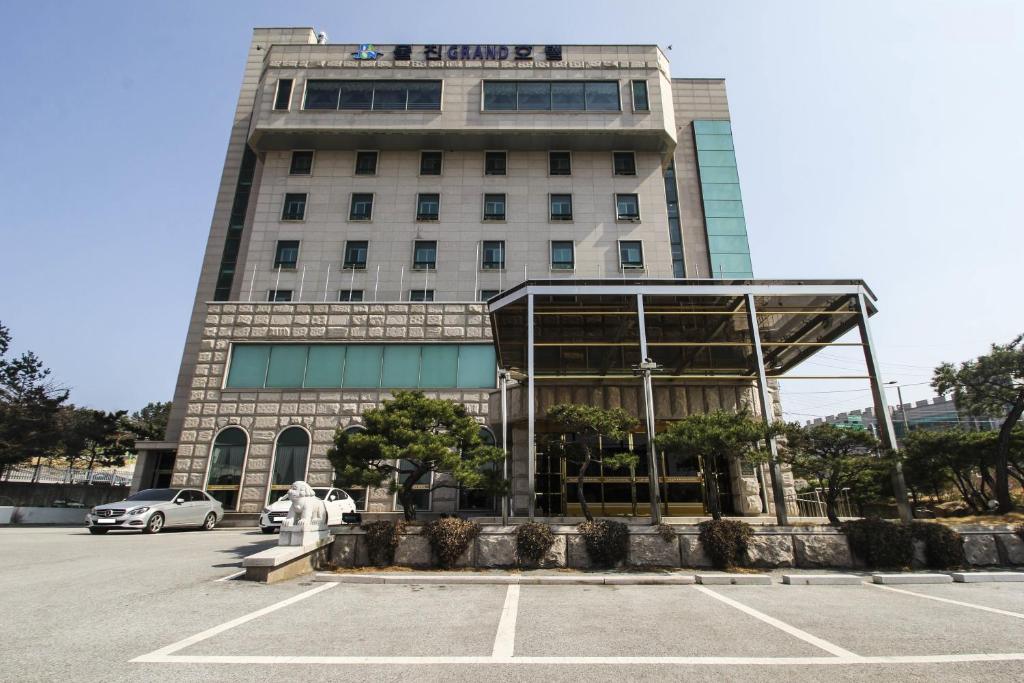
821	579
911	577
734	579
987	577
477	580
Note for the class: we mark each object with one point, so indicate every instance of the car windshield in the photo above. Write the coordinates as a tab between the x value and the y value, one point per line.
154	494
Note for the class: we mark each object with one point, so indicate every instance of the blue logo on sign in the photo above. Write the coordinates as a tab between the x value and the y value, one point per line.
367	51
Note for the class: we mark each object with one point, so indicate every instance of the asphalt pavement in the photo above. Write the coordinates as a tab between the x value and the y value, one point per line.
128	607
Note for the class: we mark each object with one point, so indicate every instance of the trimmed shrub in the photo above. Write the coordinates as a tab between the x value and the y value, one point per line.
725	541
533	541
943	547
666	532
880	543
449	537
607	541
382	540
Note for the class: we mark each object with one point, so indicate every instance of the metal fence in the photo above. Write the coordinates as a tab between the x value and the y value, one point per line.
45	474
812	504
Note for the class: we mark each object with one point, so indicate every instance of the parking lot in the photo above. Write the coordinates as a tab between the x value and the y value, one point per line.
131	607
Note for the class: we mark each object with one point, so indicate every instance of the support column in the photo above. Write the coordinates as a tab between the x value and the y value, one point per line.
531	403
652	456
886	433
505	498
768	415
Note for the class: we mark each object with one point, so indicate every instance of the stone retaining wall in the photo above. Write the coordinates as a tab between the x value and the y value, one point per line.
778	547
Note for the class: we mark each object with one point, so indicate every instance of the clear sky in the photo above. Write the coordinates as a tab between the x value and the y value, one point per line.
875	139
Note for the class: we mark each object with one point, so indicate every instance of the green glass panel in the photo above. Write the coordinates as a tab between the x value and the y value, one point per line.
723	209
730	263
248	366
726	226
401	366
721	191
362	366
728	244
716	158
718	174
714	127
324	366
477	367
440	366
287	365
707	143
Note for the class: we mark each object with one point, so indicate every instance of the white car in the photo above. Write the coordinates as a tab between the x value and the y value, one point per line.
336	501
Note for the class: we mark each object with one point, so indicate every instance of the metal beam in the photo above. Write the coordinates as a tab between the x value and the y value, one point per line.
768	415
885	428
531	399
652	457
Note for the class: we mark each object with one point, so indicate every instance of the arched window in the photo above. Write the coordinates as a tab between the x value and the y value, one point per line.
476	500
227	460
290	459
356	491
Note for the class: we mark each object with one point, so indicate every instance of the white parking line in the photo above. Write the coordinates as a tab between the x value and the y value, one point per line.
161	654
781	625
230	576
1016	615
505	638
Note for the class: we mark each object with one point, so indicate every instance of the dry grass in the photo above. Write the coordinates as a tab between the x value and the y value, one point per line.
1011	518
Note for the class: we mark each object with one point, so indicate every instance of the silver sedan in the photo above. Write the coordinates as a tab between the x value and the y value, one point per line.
151	510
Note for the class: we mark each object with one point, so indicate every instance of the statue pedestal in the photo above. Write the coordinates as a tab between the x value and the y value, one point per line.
299	535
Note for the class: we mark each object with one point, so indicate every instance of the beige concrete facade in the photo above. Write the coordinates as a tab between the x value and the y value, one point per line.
463	131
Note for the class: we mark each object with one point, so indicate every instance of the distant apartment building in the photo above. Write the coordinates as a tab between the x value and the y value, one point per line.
937	413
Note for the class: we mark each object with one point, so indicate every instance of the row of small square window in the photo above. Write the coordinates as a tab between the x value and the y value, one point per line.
428	207
432	162
492	255
283	295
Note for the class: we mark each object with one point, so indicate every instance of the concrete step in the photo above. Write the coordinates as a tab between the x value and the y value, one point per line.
406	578
821	579
911	577
722	579
987	577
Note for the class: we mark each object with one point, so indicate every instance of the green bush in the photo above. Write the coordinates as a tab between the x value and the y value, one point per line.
725	541
666	532
382	541
533	541
879	543
449	537
607	541
943	549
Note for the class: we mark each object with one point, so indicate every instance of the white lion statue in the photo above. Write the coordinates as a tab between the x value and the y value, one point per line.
307	510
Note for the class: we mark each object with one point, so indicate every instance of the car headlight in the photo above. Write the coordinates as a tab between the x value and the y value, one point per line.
93	511
138	511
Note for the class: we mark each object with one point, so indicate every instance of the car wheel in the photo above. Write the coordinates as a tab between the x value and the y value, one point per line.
267	529
155	524
210	521
94	530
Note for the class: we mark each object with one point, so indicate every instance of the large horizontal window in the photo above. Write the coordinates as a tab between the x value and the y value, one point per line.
375	95
362	366
541	95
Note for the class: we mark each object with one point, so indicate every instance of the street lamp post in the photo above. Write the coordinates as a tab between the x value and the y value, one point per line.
903	408
644	370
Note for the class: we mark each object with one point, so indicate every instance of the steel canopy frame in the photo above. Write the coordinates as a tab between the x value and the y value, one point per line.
855	292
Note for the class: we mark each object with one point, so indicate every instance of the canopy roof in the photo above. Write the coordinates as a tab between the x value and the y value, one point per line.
694	329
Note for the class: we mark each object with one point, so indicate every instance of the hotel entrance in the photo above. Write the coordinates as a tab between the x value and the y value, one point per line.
625	491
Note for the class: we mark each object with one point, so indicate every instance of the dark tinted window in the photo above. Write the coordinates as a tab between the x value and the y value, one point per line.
494	163
494	207
640	100
499	95
562	255
533	95
627	207
421	295
350	295
430	163
493	255
321	95
559	163
546	95
279	295
354	95
625	163
284	94
424	255
287	254
355	253
366	163
631	254
362	207
561	207
486	294
377	95
602	95
154	494
294	206
428	206
567	96
302	163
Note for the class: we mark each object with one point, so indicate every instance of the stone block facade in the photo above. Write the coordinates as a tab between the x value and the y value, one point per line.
264	413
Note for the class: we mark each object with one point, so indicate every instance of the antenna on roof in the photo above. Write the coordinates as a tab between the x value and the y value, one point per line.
321	38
